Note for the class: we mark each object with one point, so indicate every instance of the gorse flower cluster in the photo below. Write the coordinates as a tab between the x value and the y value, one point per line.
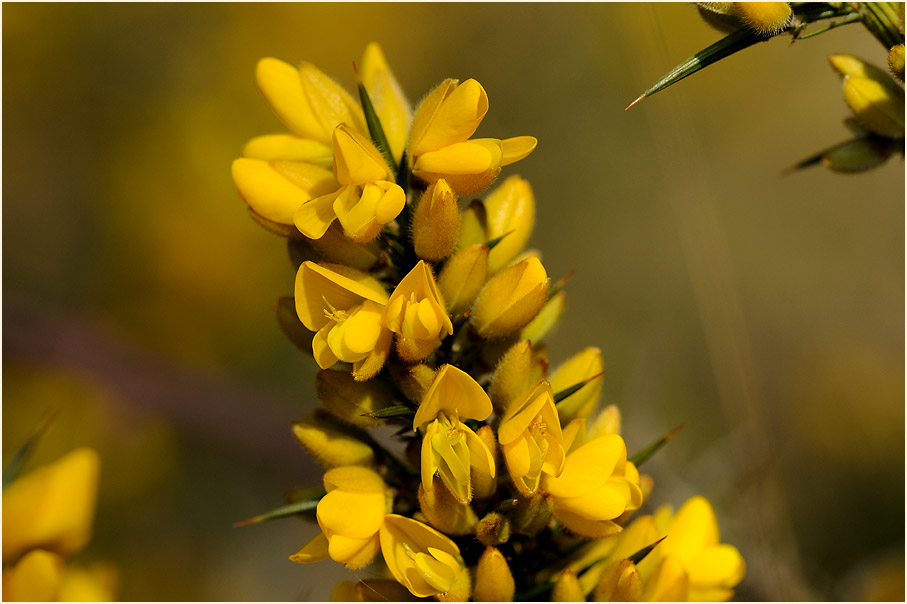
457	464
47	516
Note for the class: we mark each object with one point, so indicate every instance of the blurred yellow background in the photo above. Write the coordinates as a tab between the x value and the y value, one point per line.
763	311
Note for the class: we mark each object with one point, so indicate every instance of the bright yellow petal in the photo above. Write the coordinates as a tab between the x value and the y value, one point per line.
517	148
314	217
510	211
314	550
355	479
453	391
470	157
393	109
342	287
290	147
330	103
456	119
353	515
356	160
280	84
589	467
277	194
693	528
322	352
717	566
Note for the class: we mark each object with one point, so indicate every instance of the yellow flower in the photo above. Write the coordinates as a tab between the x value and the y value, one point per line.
510	211
439	143
53	506
436	222
597	485
494	581
449	446
425	561
416	313
344	307
531	439
693	545
368	197
350	516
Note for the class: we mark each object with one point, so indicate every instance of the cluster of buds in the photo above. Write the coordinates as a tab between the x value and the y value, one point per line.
47	517
457	465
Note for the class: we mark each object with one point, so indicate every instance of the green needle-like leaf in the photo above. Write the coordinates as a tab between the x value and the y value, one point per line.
559	396
388	412
737	41
284	511
14	468
374	124
640	457
638	556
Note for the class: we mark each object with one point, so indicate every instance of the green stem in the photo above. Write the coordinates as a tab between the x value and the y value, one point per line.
881	19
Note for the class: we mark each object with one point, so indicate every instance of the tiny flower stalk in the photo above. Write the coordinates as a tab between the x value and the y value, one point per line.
430	323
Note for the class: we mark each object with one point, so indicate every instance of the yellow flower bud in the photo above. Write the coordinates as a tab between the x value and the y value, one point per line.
896	61
494	581
329	445
444	512
876	106
463	276
620	582
510	211
348	400
36	577
425	561
567	588
512	376
510	299
436	222
414	380
764	17
542	324
485	484
53	506
473	224
532	514
416	313
579	368
531	439
350	516
596	486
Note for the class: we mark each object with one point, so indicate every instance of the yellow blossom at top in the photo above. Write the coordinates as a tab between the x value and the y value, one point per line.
368	197
440	144
390	103
531	439
53	506
344	307
449	446
425	561
350	516
597	485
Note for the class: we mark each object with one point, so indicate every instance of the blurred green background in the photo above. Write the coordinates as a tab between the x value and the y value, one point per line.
764	311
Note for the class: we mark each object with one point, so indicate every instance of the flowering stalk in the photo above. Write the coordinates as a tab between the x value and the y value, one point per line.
427	314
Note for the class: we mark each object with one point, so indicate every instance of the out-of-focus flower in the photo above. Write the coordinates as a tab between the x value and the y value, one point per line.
597	485
350	516
531	439
52	507
427	562
344	307
449	446
415	312
439	143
